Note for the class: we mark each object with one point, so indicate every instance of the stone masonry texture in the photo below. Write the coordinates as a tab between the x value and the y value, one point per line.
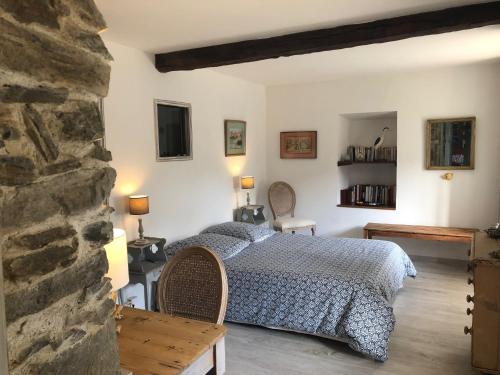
55	181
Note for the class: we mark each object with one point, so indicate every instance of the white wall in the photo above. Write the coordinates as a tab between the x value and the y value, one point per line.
185	196
189	195
471	199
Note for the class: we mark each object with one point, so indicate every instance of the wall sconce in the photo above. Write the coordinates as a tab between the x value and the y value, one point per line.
447	176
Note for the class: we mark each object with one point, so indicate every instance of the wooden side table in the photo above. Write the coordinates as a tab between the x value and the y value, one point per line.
154	343
145	266
252	214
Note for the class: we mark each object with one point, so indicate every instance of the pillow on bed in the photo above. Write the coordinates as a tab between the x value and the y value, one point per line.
245	231
224	246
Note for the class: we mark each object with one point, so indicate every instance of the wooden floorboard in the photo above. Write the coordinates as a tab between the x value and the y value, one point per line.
428	339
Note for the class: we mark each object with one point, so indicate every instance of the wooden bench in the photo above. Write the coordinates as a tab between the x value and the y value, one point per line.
462	235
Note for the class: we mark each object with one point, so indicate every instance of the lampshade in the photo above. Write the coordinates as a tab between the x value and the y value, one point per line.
247	182
116	251
138	204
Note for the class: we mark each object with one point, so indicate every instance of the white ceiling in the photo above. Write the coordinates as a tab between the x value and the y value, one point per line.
459	48
169	25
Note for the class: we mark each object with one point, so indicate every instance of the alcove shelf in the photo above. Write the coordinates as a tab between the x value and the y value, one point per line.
371	181
342	163
367	206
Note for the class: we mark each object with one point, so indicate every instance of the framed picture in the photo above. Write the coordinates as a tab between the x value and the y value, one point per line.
173	131
298	145
235	137
450	143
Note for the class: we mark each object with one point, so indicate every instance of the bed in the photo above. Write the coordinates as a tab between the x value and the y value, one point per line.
338	288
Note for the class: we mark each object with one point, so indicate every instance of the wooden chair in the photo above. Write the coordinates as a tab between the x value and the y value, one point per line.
193	285
282	201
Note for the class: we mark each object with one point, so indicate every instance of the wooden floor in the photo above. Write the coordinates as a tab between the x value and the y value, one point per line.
428	339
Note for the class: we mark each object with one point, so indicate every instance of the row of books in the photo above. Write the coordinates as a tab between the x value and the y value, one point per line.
369	195
370	154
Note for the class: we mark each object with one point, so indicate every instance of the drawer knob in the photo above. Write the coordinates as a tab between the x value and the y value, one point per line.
469	311
469	298
467	330
469	267
470	281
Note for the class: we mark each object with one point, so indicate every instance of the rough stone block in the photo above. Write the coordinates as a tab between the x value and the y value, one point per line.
41	295
90	41
40	94
74	335
63	64
92	354
100	153
70	194
83	124
98	290
102	232
32	348
40	239
40	262
16	170
87	13
8	122
86	191
43	12
62	167
39	133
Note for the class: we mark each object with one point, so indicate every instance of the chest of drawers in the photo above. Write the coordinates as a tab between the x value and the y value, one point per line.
485	307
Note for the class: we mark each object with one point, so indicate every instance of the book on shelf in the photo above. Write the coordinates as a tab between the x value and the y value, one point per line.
369	195
370	154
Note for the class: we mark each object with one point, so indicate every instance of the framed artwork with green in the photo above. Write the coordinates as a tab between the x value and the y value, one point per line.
235	135
450	143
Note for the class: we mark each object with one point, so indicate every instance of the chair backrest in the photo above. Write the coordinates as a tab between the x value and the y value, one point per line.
281	199
193	285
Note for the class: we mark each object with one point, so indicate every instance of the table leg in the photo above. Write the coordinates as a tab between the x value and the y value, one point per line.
220	357
367	234
146	299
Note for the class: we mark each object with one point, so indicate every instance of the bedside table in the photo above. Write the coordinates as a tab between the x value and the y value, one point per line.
145	263
252	214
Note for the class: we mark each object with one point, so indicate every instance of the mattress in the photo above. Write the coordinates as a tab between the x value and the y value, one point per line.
339	288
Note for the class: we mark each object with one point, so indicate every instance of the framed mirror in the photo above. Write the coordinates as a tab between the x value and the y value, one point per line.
173	131
450	143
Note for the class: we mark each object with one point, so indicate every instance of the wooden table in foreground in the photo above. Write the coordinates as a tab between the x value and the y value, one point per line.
463	235
154	343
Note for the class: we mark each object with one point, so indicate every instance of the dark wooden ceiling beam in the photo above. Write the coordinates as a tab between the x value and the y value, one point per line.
380	31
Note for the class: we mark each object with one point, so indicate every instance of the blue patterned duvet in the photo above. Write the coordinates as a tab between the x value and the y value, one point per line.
334	287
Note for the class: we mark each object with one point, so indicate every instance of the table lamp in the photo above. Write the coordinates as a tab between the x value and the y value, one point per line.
247	183
116	252
139	205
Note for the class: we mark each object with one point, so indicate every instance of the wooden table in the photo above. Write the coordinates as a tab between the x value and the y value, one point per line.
154	343
463	235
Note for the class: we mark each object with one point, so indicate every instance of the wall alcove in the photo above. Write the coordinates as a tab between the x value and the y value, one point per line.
368	174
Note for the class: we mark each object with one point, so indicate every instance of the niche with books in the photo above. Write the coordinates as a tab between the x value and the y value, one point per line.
368	160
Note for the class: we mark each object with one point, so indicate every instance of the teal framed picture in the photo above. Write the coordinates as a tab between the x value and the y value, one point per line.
235	137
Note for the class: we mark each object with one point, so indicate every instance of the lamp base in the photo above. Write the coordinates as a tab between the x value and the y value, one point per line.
141	241
117	313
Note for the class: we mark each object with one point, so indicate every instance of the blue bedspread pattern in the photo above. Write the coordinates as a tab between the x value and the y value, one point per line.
334	287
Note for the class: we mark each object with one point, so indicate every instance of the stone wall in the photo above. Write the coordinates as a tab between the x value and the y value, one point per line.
54	182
